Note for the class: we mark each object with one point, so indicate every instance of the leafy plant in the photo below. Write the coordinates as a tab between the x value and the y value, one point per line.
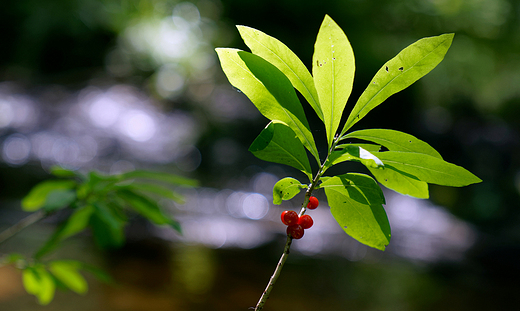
269	76
101	203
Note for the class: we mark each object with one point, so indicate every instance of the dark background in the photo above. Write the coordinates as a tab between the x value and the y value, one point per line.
115	85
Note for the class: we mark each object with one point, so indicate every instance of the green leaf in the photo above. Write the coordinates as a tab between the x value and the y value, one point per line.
286	189
269	90
59	171
107	226
147	208
353	153
366	223
38	194
76	223
333	70
360	187
408	66
159	176
400	182
395	141
278	54
428	169
66	271
37	281
59	199
368	147
155	189
278	143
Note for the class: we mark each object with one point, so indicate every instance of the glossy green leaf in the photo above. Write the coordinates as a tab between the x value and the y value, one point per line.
366	223
408	66
353	153
428	169
147	208
38	194
38	281
278	54
368	147
395	141
400	182
360	187
278	143
158	176
333	70
269	90
286	189
67	272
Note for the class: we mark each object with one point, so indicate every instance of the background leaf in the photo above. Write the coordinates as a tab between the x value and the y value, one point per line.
67	273
158	176
333	69
36	198
38	281
278	54
278	143
405	68
269	90
286	189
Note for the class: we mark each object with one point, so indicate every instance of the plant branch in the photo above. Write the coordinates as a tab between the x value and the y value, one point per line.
22	224
286	250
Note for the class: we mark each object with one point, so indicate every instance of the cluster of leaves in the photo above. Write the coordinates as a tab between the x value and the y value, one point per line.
399	161
102	203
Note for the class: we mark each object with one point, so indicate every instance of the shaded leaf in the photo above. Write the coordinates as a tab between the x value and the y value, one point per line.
158	176
269	90
395	141
147	208
59	199
278	143
286	189
107	226
405	68
333	70
278	54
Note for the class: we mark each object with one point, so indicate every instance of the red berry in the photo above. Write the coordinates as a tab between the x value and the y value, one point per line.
289	218
295	231
313	203
305	221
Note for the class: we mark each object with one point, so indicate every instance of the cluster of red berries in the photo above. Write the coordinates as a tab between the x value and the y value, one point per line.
295	224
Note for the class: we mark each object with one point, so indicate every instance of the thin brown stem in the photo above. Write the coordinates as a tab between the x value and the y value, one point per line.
22	224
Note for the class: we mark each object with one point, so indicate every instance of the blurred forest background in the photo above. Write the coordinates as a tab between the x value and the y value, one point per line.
114	85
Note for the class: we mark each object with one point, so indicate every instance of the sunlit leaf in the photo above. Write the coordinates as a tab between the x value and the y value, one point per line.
269	90
67	272
360	187
59	171
278	143
333	70
38	281
428	169
395	141
366	223
38	194
400	182
286	189
408	66
353	153
278	54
